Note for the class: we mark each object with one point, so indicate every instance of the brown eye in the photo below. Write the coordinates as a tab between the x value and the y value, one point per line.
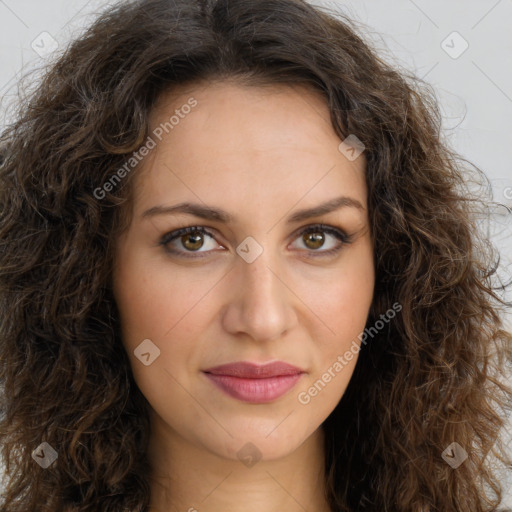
192	241
322	240
187	241
314	239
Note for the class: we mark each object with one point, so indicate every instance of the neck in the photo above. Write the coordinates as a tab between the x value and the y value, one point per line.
188	478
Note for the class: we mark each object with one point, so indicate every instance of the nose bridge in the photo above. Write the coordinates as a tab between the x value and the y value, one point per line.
256	259
258	278
261	305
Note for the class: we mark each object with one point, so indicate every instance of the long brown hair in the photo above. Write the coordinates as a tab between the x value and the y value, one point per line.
431	377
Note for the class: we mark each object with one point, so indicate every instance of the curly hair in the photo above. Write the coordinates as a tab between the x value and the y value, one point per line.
431	377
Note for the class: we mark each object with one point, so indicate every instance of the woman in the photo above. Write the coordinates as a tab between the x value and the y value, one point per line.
240	271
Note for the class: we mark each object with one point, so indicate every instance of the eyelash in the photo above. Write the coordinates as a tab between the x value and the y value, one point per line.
342	236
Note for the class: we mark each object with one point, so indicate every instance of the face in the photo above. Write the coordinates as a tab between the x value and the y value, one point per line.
259	277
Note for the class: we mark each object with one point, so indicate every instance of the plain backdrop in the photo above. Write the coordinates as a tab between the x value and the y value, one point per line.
462	48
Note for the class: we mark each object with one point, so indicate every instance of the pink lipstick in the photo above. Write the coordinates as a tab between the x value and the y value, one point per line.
255	383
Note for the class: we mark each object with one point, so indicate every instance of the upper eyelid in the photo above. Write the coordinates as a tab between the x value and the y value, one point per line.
211	231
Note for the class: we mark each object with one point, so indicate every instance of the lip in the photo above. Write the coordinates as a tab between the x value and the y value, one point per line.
255	383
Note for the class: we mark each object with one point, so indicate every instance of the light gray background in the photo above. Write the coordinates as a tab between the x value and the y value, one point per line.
474	88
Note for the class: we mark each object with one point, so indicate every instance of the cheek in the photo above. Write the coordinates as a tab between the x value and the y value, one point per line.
154	301
341	305
153	304
169	307
340	300
346	306
343	310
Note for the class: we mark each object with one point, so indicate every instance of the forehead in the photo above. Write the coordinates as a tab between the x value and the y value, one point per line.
245	144
244	117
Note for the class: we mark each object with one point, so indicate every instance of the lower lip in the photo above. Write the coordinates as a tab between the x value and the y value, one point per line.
257	391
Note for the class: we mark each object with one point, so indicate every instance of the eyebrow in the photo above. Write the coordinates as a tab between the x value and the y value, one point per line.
211	213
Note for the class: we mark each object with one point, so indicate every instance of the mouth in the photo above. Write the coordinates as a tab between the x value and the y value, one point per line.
255	383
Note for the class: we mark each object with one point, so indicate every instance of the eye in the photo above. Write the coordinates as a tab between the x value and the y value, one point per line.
327	238
194	239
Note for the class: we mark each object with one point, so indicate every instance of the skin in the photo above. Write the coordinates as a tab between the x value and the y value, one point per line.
261	154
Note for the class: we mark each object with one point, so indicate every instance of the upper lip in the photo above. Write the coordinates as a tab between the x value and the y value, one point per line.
254	370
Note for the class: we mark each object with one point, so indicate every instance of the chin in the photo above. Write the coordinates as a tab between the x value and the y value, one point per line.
264	440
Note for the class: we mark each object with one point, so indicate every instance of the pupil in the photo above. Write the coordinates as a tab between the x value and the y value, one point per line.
196	241
317	239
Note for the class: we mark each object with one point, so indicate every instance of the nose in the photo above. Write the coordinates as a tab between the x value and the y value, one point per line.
261	304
